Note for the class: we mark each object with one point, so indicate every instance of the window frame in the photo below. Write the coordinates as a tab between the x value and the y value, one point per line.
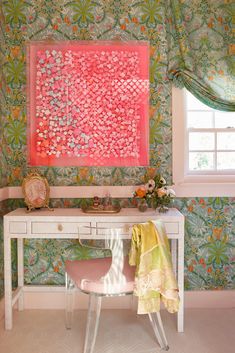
188	184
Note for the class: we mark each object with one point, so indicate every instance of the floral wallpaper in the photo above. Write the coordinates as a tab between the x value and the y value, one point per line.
210	240
3	164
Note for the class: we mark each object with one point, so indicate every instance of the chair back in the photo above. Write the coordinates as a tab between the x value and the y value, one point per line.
114	274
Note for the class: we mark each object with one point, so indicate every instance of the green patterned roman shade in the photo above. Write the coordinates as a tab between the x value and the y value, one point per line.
200	33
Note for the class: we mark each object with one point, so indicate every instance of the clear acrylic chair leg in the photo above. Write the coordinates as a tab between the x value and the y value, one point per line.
70	294
93	317
133	303
156	322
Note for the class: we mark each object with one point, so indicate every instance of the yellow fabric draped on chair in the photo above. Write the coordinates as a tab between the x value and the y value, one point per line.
154	277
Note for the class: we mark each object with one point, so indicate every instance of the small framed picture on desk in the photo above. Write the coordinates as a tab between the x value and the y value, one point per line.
36	191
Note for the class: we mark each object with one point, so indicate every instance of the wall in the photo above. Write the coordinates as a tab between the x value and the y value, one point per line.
3	164
209	262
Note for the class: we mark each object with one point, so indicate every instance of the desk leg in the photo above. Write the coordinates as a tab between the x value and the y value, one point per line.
20	268
180	316
7	282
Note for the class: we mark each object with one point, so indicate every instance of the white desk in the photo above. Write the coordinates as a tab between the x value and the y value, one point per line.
62	223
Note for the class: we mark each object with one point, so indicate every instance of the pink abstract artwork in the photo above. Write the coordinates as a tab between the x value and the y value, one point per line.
88	104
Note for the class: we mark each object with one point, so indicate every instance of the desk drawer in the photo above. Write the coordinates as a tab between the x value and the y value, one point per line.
125	225
18	227
59	227
171	227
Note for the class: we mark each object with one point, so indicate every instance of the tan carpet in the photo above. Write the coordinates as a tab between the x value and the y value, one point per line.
120	331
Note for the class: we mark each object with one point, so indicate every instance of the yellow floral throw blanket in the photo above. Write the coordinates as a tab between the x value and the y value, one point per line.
154	277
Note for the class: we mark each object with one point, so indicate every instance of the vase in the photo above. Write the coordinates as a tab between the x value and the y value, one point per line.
142	205
162	209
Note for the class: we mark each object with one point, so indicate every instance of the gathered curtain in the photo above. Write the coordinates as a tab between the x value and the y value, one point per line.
200	39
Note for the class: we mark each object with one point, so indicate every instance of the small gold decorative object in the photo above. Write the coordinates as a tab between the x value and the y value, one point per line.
97	207
101	210
36	191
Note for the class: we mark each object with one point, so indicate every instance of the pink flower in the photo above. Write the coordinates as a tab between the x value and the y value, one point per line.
161	192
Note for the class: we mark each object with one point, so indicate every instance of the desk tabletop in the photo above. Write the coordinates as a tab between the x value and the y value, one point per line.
20	213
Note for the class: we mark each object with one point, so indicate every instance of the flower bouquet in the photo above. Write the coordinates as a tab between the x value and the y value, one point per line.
157	192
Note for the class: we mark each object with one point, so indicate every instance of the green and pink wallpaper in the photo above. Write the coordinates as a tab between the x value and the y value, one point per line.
210	239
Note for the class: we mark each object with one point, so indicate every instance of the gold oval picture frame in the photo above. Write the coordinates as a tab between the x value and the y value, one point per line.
36	191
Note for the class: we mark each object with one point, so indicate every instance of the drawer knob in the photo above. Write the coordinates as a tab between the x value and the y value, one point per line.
127	228
60	227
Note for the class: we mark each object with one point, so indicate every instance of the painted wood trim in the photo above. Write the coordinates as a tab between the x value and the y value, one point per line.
4	193
15	192
48	298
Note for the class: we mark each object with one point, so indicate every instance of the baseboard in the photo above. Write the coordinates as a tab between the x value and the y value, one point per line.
210	299
54	298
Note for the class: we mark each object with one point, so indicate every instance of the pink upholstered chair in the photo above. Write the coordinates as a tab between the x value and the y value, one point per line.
102	277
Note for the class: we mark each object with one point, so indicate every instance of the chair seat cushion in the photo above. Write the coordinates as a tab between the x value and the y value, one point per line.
91	276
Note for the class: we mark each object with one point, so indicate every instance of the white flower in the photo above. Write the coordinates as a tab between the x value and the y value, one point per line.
162	181
171	192
150	185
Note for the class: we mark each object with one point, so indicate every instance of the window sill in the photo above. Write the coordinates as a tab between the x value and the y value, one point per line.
204	187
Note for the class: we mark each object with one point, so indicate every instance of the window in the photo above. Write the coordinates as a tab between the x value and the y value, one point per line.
210	138
203	147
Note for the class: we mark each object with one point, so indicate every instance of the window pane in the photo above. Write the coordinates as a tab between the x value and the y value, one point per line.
224	119
226	141
200	119
201	141
194	104
201	161
226	160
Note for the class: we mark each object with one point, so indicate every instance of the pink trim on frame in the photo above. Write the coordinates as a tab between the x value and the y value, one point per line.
88	104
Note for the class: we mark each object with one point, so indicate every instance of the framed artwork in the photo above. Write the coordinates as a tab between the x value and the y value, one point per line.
88	103
36	191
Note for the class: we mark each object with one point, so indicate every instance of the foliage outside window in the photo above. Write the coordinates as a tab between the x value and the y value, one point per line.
210	138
